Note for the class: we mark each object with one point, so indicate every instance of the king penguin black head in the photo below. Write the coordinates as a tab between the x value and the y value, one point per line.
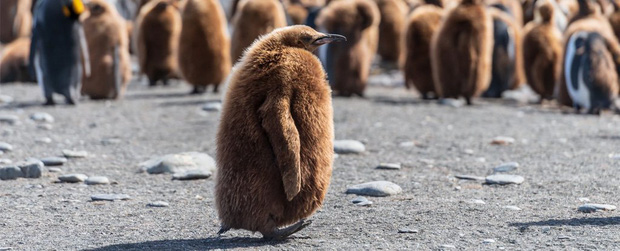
72	8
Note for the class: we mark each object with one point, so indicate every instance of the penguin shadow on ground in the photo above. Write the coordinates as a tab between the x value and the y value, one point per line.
594	221
22	104
196	244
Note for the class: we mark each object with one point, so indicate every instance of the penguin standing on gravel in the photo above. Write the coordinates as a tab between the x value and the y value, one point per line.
275	140
57	37
590	72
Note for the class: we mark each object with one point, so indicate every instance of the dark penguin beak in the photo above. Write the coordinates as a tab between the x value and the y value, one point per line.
329	38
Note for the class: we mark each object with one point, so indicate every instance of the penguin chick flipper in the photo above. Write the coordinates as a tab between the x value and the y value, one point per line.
283	233
278	123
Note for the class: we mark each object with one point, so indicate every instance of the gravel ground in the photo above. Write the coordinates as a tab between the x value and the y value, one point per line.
563	157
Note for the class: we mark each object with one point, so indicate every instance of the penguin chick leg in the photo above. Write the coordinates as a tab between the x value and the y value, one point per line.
198	90
283	233
468	101
223	229
215	88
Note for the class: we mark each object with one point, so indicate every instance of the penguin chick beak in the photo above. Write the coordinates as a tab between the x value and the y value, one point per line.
329	38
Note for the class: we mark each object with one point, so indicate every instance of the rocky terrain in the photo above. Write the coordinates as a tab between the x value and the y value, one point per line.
441	165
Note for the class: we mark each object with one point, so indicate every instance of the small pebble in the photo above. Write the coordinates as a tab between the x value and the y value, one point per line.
45	126
564	237
348	146
389	166
109	197
45	140
10	173
5	147
73	178
375	188
514	208
5	99
110	141
468	151
9	119
501	140
469	177
179	163
408	231
590	208
5	161
74	154
582	199
407	144
54	170
479	202
456	103
158	203
446	246
506	167
97	180
504	179
192	175
615	156
488	241
361	201
54	161
212	107
42	117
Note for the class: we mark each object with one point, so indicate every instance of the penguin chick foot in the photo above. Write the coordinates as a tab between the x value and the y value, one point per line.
198	90
283	233
49	102
223	229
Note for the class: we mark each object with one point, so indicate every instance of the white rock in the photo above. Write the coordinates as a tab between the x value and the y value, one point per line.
4	99
408	231
504	179
446	246
361	201
9	119
506	167
452	102
488	241
590	208
348	146
158	203
73	178
192	175
74	154
583	199
389	166
109	197
375	188
45	140
42	117
45	126
97	180
5	147
54	170
179	163
212	106
5	161
514	208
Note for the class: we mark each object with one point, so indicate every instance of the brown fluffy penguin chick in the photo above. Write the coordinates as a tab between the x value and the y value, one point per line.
14	62
158	39
204	46
15	19
423	23
614	18
391	29
348	64
542	53
461	51
298	13
108	47
275	140
254	19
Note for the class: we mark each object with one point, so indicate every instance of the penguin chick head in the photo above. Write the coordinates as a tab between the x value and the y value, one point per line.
72	8
97	7
304	37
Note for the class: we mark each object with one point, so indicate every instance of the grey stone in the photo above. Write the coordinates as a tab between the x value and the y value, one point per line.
502	140
31	168
212	106
110	141
45	126
583	199
192	175
5	161
504	179
42	117
488	241
590	208
615	156
45	140
5	99
158	203
446	246
54	170
54	161
564	237
452	102
5	147
408	231
514	208
97	180
73	178
361	201
375	188
109	197
74	154
348	146
469	177
9	119
10	173
179	163
506	167
479	202
389	166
